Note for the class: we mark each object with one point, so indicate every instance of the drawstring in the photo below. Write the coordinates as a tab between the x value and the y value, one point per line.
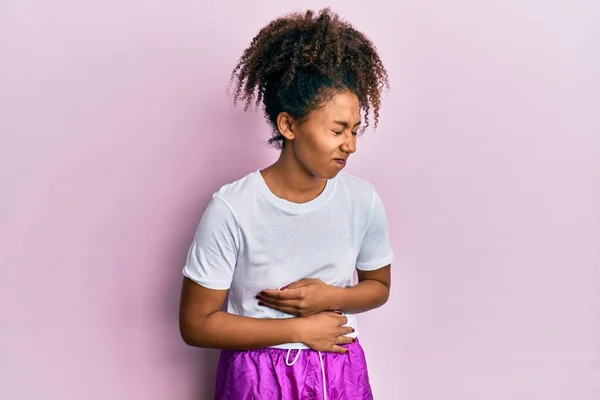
289	364
323	372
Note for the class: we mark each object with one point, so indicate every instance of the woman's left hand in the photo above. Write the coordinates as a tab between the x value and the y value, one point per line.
305	297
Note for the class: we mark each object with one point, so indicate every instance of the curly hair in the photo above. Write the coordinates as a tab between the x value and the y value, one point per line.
299	61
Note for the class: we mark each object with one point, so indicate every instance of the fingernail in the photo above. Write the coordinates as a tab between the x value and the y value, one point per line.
339	312
260	303
353	340
258	297
285	287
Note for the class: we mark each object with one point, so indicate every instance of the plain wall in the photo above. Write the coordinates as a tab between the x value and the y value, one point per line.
115	129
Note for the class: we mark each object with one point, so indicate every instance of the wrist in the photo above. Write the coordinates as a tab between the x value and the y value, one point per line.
297	328
335	298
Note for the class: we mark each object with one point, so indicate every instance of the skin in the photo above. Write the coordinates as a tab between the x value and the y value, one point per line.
312	145
307	161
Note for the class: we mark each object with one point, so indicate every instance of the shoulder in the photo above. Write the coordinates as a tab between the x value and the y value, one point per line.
238	192
226	205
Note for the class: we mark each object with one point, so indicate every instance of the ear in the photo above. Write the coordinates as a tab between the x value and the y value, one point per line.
285	125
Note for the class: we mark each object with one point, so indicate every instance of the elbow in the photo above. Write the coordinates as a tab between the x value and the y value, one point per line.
192	335
190	340
384	298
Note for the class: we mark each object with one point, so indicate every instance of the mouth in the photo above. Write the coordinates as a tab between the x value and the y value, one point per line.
340	161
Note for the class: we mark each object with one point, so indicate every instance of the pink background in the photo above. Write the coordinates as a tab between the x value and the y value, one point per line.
116	129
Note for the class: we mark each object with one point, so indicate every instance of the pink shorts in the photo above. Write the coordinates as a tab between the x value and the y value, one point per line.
278	374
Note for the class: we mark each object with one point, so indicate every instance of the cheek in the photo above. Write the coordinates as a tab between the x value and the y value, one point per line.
307	152
320	149
314	144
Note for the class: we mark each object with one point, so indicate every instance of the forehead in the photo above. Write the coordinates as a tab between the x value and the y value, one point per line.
343	106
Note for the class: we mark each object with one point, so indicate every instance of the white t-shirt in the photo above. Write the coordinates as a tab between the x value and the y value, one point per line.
249	240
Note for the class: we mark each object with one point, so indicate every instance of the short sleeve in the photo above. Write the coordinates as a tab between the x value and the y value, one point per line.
375	250
212	256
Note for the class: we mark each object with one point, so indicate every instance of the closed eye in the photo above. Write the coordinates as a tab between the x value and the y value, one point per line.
345	125
355	133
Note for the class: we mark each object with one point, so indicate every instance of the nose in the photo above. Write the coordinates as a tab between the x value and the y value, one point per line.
349	145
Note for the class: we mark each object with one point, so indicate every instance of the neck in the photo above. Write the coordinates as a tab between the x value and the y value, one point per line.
287	178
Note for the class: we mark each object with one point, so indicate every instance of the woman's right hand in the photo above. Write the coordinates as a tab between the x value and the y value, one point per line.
325	331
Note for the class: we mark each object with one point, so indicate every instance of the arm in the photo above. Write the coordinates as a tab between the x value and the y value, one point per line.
310	296
208	275
372	291
203	324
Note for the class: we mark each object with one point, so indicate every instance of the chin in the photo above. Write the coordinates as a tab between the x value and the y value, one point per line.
329	175
325	173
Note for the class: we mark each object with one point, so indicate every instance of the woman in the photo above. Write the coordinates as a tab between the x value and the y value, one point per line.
284	242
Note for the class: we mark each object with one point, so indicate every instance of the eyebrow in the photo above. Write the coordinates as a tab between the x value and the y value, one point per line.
345	124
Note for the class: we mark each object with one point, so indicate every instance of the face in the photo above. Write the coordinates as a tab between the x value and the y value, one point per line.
324	140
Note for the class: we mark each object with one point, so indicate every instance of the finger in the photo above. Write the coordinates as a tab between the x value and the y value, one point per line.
345	340
277	303
333	313
293	285
274	302
345	330
339	349
288	294
343	319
